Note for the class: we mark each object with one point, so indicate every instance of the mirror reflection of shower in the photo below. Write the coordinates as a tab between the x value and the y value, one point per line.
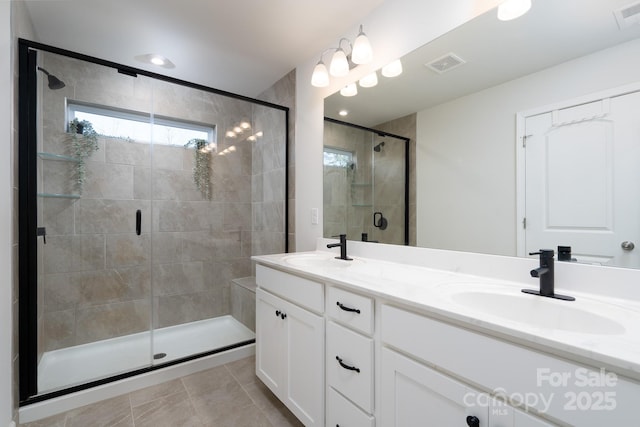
365	175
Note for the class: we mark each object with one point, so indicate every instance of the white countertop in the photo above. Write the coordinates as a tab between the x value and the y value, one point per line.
432	292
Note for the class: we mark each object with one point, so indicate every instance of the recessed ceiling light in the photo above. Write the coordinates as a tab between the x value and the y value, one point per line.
343	112
155	59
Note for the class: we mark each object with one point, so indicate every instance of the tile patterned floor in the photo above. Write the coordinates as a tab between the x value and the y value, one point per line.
226	396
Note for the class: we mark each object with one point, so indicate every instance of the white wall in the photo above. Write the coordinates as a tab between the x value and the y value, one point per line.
466	170
395	28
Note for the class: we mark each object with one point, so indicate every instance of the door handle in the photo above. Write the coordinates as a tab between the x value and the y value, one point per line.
627	245
138	222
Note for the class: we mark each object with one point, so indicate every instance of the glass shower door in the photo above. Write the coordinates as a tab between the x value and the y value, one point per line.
94	245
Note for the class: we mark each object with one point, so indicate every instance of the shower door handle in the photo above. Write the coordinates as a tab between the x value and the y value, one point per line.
138	222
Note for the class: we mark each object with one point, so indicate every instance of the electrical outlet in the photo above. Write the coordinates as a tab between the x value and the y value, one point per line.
314	216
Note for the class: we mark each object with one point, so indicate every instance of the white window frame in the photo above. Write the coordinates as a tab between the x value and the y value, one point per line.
119	113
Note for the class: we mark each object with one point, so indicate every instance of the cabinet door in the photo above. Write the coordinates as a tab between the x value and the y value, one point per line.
413	394
305	364
522	419
503	415
270	342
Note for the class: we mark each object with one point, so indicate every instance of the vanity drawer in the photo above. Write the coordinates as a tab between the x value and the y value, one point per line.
301	291
341	412
350	365
355	311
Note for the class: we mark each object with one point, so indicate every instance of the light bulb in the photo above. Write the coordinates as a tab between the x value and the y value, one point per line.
339	66
157	60
370	80
349	90
512	9
392	69
362	52
320	76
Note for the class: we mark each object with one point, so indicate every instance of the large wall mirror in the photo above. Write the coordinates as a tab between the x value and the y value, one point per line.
470	93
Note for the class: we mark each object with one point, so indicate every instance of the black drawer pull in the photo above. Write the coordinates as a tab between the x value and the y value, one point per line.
349	309
347	367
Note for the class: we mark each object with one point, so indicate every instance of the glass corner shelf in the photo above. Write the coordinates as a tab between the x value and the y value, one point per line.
59	196
59	157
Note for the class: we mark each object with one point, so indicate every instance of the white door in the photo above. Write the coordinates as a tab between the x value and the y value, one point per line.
413	395
583	180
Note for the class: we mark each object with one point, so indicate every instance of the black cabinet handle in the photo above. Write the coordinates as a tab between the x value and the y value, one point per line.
277	313
283	316
138	222
349	309
473	421
347	367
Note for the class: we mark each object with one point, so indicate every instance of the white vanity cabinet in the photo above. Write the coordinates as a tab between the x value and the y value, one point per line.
538	382
349	359
290	342
413	394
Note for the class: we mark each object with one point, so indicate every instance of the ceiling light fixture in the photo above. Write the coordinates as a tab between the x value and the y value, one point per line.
155	59
392	69
370	80
512	9
349	90
341	62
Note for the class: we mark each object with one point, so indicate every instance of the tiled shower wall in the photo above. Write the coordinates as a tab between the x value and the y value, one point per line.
353	194
96	272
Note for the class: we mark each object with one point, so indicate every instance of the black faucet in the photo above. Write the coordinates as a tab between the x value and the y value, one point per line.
546	274
343	248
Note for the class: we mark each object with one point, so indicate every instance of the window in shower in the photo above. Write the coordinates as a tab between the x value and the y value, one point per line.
337	157
139	126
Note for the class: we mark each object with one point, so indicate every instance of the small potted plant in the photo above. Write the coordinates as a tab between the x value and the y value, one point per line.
84	142
201	166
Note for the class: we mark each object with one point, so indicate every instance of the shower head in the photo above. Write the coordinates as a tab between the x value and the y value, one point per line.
54	82
378	147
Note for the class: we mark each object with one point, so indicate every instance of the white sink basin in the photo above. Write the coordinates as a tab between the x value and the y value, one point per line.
317	260
536	311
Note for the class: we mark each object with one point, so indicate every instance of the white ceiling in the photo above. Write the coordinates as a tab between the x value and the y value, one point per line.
241	46
554	31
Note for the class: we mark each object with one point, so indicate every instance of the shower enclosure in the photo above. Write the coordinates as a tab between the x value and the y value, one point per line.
366	175
141	199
